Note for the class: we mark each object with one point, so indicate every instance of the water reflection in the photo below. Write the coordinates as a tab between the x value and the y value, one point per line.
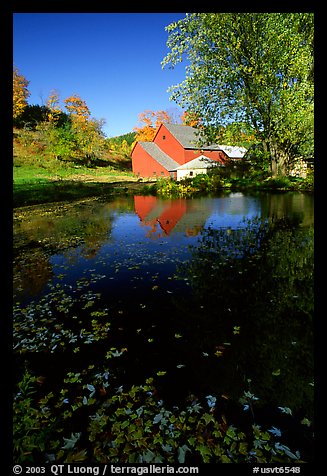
215	292
254	308
165	217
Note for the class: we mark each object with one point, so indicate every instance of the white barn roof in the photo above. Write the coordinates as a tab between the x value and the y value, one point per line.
201	162
233	152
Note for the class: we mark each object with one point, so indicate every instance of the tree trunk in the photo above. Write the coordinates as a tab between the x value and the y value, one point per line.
279	159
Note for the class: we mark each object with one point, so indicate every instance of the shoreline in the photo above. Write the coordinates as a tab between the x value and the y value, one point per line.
32	194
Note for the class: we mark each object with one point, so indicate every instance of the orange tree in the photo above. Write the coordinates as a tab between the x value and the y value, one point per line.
150	122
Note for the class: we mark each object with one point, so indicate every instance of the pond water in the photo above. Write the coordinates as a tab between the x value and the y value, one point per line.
210	295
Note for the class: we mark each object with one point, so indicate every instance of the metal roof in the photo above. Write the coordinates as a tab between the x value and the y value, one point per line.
233	152
189	137
162	158
201	162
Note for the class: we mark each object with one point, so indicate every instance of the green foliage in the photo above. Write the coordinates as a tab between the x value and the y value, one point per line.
32	426
34	115
171	188
129	138
132	426
249	68
31	116
225	179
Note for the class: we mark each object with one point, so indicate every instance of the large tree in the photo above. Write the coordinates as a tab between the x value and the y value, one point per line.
88	134
254	68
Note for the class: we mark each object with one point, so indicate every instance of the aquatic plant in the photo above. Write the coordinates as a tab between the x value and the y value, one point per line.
100	422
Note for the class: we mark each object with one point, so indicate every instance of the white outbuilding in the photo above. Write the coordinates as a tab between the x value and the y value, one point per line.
197	166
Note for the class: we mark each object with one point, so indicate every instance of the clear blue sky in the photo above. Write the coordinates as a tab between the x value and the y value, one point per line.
111	60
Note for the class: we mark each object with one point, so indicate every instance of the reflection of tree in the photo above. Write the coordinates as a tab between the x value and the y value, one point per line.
251	310
32	273
278	205
61	229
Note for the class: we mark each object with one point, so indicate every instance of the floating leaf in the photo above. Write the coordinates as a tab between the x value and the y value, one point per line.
71	442
276	372
161	372
306	422
275	431
236	330
157	418
148	457
76	457
219	353
211	401
182	450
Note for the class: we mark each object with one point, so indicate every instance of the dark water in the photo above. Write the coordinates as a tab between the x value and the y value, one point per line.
211	296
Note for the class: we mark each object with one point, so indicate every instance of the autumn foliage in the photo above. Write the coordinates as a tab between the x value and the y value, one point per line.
190	119
78	110
53	106
20	93
150	121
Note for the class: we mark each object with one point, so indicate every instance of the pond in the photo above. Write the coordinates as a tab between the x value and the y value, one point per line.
210	296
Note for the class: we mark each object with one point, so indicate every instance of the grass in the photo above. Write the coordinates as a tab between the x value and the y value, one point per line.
56	182
39	177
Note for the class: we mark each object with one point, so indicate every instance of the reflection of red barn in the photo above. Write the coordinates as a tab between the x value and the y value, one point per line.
173	146
165	214
163	217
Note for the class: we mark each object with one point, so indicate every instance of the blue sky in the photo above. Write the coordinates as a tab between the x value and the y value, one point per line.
111	60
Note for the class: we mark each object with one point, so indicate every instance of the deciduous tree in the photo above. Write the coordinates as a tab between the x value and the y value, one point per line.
190	119
53	106
88	135
150	121
78	110
20	93
255	68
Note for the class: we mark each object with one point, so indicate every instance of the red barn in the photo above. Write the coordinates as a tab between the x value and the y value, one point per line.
175	145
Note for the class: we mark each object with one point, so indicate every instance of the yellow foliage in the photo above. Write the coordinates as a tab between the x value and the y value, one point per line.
20	93
78	110
190	119
53	105
152	121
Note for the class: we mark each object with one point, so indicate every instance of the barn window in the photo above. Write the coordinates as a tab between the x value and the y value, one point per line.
191	173
163	137
162	173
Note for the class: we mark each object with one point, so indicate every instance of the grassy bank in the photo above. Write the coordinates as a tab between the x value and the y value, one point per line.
41	177
34	184
61	181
